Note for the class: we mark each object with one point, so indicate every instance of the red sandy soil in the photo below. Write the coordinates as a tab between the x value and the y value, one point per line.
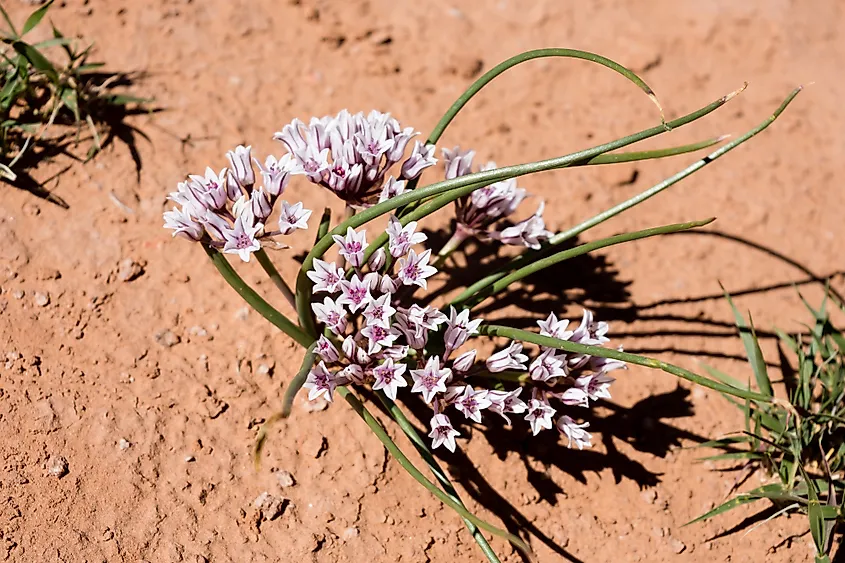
157	438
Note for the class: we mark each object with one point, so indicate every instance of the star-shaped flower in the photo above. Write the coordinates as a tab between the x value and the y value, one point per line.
352	246
442	432
415	269
388	376
430	380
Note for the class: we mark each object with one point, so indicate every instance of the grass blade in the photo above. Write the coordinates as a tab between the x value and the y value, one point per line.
752	349
657	153
35	18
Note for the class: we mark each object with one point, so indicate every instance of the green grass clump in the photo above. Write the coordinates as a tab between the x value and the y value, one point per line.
49	103
800	441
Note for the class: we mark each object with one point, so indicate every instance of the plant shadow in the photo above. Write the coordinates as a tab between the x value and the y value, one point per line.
648	427
110	123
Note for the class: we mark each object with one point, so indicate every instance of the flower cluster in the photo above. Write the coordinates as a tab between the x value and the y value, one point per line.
350	154
372	339
374	333
478	211
227	211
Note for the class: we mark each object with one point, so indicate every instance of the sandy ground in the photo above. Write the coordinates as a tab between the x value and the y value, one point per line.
156	427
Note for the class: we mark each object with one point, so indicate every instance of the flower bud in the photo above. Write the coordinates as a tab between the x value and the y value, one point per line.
463	362
377	260
240	163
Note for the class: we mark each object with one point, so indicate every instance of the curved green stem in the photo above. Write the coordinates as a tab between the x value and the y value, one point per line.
275	276
491	74
254	300
566	346
471	300
529	256
442	478
479	179
406	464
635	156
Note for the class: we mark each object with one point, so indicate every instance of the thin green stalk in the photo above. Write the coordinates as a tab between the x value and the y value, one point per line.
566	346
254	300
529	256
491	74
473	300
406	464
275	276
634	156
303	285
287	403
443	479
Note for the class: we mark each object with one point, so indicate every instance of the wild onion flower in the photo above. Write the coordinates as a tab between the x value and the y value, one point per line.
477	212
366	329
350	154
225	211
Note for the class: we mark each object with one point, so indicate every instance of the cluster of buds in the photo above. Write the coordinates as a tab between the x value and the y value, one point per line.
478	211
370	338
373	332
351	154
225	209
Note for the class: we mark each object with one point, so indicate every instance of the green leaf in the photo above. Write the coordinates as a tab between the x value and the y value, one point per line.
35	18
37	60
752	349
54	42
616	158
122	100
773	491
70	99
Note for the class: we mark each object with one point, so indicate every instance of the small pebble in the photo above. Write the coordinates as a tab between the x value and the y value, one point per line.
271	507
350	533
129	270
242	314
285	478
198	331
41	299
167	338
649	495
318	404
677	545
57	466
124	444
190	459
18	294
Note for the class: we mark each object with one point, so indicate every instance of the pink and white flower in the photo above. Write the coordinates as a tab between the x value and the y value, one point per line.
539	415
415	269
442	432
388	376
379	336
509	358
430	380
352	246
326	276
355	293
379	310
320	381
471	403
293	217
502	402
331	313
401	239
575	432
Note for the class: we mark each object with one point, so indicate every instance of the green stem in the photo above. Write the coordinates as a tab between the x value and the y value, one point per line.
254	300
530	256
275	276
406	464
445	483
478	180
491	74
454	242
470	300
575	348
635	156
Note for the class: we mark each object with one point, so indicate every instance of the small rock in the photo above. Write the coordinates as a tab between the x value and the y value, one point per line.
649	495
677	545
44	274
318	404
167	338
242	314
18	294
124	444
198	331
57	466
285	479
190	459
350	533
129	270
263	369
271	507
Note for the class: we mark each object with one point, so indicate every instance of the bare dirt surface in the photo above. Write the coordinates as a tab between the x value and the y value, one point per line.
128	407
